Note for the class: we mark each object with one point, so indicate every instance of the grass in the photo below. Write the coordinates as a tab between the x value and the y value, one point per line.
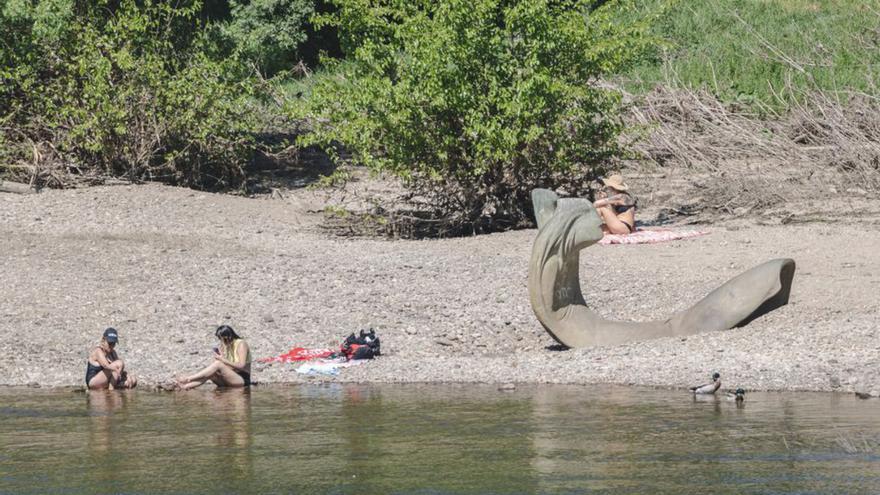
756	51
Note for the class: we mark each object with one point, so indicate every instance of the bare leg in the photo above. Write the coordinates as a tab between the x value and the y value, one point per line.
221	374
610	223
101	380
227	377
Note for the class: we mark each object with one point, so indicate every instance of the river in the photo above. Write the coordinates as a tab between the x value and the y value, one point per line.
435	439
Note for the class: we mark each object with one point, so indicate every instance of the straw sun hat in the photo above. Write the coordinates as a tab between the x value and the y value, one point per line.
615	181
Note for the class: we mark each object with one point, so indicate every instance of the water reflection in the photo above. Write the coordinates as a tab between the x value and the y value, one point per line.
230	412
106	417
348	438
103	405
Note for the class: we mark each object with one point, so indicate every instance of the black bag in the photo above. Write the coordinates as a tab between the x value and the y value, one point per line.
366	345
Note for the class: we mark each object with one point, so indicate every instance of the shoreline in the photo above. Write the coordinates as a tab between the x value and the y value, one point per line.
166	265
153	388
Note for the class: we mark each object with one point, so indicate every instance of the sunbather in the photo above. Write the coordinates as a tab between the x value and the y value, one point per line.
231	366
104	369
616	206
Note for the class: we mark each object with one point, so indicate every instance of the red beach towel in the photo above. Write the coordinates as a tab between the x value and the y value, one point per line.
650	236
298	354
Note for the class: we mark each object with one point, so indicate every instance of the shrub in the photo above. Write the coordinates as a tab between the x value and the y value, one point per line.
269	32
474	103
120	88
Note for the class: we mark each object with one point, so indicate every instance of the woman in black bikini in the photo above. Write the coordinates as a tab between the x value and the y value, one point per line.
617	207
104	369
231	366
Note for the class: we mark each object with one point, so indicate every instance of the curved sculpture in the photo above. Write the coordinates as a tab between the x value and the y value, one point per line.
565	226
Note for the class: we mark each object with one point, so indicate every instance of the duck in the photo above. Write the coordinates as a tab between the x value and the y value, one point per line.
738	396
709	388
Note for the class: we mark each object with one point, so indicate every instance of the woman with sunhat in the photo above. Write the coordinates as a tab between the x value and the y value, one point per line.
104	369
616	206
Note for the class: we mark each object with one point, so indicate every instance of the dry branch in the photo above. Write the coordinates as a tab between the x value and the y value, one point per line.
16	187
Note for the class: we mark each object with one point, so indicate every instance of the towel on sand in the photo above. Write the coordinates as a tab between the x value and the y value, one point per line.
298	354
327	366
650	236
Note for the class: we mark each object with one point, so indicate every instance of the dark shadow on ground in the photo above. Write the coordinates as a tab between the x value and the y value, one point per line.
558	347
279	164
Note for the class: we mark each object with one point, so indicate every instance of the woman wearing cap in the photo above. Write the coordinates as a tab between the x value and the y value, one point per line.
231	366
616	206
104	369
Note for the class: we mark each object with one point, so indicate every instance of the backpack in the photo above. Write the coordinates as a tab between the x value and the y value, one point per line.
366	345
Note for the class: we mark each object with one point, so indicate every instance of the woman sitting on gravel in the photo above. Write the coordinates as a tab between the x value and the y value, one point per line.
231	366
104	369
616	206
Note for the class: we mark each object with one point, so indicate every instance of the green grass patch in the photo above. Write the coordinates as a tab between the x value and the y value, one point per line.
754	51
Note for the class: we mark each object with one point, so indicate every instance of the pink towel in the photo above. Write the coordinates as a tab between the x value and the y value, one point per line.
650	236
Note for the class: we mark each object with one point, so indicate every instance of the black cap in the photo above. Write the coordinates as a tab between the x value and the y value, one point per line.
110	335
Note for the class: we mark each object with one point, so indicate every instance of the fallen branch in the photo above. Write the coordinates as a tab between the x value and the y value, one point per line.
16	188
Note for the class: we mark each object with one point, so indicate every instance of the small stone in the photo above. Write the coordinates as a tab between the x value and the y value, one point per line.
834	381
507	386
33	385
268	319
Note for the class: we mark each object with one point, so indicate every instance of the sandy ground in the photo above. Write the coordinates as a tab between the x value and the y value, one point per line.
166	265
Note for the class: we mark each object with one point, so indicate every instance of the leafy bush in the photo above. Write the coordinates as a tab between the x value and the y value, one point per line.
475	102
120	88
269	32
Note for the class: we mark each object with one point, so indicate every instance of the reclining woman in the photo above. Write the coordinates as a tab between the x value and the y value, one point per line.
231	366
104	369
616	206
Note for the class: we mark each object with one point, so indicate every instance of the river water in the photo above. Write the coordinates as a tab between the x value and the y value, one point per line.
436	439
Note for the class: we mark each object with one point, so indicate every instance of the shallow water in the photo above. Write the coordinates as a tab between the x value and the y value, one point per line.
348	439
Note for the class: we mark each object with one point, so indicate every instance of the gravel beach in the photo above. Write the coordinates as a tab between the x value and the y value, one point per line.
166	265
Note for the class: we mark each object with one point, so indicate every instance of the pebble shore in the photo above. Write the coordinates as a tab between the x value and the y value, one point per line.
166	265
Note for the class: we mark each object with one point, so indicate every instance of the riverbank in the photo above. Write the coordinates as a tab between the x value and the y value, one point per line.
166	265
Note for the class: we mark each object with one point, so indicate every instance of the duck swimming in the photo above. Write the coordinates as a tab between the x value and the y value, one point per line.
709	388
738	396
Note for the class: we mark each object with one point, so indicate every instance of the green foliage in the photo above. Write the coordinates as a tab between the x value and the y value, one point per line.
749	51
269	32
474	103
120	88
